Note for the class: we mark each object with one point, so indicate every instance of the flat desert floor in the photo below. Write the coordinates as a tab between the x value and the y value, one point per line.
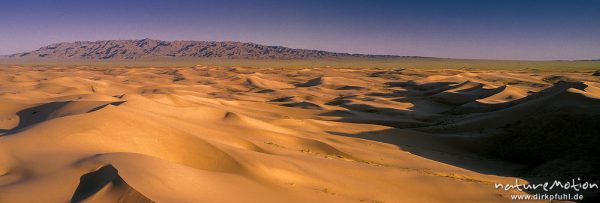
209	134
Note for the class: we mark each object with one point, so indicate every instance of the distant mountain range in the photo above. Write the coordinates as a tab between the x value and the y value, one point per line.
149	48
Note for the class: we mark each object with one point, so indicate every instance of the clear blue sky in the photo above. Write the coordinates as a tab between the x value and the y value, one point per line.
502	29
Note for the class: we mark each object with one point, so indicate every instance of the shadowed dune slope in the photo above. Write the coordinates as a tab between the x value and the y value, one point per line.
105	185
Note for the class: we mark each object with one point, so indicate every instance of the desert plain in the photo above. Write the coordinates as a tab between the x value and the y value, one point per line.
242	134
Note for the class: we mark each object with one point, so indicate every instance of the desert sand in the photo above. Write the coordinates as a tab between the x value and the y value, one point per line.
232	134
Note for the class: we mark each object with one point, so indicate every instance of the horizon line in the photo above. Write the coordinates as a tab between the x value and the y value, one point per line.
311	49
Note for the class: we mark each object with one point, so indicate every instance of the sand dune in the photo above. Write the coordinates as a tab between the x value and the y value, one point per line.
504	94
105	185
204	134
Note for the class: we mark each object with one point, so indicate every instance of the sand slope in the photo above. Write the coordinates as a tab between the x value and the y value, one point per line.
203	134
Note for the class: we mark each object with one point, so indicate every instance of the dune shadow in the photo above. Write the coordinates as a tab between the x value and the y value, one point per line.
90	184
516	158
37	114
370	115
105	105
543	137
444	149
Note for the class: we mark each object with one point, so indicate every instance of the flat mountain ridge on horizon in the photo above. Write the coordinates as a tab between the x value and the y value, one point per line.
150	48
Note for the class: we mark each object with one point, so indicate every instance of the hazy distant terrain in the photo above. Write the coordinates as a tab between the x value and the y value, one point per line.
156	53
149	48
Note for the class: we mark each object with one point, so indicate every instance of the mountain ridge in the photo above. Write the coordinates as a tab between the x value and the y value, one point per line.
150	48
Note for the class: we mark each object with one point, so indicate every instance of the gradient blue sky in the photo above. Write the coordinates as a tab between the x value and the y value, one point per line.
502	29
